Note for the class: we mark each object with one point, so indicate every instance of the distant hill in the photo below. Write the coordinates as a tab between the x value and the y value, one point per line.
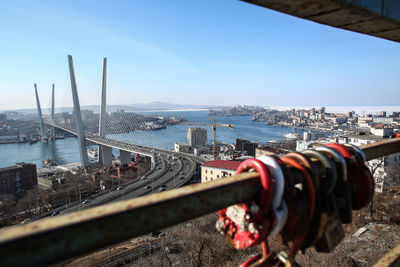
168	106
132	107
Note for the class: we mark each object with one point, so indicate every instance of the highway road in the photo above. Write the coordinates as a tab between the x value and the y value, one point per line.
171	170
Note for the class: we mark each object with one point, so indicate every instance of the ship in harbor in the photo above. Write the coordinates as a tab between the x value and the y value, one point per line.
49	163
292	136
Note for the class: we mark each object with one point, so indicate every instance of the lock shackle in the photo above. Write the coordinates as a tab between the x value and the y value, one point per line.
337	158
278	177
316	221
329	166
278	206
258	259
306	162
265	179
360	154
307	181
311	196
341	149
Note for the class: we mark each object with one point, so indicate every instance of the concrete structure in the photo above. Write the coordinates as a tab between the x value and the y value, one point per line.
382	131
42	128
197	136
313	135
16	179
181	147
106	155
78	117
382	120
246	146
102	121
124	157
3	117
379	18
52	129
269	151
217	169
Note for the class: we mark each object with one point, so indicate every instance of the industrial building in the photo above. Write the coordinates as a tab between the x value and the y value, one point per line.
17	179
246	146
197	137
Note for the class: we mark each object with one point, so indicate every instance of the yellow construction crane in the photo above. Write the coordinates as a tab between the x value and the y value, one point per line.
214	129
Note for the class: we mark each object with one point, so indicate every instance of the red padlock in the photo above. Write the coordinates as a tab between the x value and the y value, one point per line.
358	175
247	224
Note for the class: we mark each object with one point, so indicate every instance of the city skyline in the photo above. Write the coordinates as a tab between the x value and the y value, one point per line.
199	53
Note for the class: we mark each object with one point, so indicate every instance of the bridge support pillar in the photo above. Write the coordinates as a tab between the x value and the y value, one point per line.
125	157
78	117
106	155
42	130
52	129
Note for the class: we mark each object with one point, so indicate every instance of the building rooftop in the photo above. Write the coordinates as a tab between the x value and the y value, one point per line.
222	164
16	166
365	137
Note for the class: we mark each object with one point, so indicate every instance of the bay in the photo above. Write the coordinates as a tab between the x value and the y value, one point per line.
65	151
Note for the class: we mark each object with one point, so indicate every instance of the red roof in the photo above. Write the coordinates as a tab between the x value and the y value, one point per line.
222	164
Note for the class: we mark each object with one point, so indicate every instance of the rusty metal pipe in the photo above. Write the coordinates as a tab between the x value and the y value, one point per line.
54	239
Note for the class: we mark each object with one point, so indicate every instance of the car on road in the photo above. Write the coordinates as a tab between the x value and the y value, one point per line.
162	189
120	188
54	213
161	234
147	187
143	177
86	201
155	233
26	220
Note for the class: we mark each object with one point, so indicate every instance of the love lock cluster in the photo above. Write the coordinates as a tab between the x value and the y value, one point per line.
305	198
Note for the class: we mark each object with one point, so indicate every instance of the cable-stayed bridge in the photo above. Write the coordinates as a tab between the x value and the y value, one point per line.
126	144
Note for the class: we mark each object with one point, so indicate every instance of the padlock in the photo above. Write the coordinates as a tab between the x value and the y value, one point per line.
331	231
304	195
359	153
247	224
315	226
359	177
278	206
342	190
298	210
360	156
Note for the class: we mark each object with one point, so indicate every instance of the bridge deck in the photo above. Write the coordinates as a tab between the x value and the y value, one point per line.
379	18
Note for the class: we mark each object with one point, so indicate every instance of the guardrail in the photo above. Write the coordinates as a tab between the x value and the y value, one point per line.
57	238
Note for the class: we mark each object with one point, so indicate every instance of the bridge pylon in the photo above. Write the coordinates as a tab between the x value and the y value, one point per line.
41	125
52	129
104	153
78	116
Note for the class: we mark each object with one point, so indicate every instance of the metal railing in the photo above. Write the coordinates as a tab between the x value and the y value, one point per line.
57	238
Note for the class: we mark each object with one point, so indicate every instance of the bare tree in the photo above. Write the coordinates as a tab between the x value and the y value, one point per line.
393	175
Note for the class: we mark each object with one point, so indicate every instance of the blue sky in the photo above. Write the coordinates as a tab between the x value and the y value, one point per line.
221	52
